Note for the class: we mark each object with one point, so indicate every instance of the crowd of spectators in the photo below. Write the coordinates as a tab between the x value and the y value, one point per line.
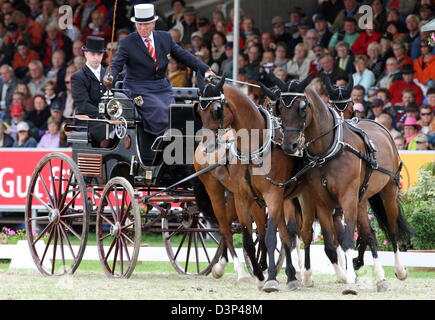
391	64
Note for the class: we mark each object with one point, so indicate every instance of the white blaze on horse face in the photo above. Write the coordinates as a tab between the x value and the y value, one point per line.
379	271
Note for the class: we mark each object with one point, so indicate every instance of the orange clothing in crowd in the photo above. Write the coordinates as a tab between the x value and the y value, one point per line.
20	61
424	73
34	31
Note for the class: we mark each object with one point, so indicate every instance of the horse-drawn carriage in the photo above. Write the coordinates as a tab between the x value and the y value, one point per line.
110	190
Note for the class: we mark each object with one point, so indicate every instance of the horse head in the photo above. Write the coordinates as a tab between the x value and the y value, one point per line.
292	107
339	96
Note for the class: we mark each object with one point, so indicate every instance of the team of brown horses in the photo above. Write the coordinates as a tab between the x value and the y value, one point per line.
339	175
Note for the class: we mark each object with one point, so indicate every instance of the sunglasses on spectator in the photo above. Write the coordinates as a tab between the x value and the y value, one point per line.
426	113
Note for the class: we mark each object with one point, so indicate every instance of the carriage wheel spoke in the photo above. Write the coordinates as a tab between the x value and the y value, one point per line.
68	241
111	208
48	243
124	245
115	257
39	218
127	226
188	252
118	214
107	220
105	237
74	215
69	203
174	233
209	233
110	250
52	181
126	237
42	202
204	247
121	214
41	234
46	190
62	200
121	258
180	245
61	249
71	229
53	263
195	242
126	214
60	196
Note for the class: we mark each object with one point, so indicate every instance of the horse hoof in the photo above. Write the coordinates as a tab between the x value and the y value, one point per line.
260	284
308	283
271	286
350	289
243	279
298	276
402	275
294	285
217	271
382	286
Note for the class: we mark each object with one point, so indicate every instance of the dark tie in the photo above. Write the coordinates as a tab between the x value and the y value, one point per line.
151	51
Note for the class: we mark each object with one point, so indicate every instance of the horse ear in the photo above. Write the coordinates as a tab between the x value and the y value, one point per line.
328	86
269	92
281	84
349	87
221	83
201	83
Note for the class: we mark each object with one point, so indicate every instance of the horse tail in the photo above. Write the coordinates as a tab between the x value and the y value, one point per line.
404	230
203	200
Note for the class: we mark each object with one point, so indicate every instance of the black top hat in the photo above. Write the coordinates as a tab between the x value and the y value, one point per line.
94	44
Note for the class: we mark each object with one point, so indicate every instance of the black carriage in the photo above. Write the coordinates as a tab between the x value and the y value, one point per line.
111	188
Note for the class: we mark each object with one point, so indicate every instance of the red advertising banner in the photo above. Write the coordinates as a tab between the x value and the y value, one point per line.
16	169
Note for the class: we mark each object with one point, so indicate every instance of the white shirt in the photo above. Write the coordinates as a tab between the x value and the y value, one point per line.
95	72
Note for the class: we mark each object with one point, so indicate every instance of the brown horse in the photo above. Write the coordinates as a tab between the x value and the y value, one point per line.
224	107
336	175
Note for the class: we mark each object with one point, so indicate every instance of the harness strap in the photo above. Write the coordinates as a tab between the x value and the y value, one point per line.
324	183
257	199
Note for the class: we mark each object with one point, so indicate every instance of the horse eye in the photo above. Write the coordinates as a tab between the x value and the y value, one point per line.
302	104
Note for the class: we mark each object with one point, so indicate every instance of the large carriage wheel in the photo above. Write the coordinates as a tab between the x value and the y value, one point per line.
57	239
118	228
279	254
190	245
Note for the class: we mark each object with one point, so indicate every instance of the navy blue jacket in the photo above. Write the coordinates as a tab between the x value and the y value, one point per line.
140	66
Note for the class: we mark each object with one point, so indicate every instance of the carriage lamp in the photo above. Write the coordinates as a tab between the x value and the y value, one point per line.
114	109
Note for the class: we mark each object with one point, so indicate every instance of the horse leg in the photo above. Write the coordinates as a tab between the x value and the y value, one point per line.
327	225
367	233
259	216
307	237
339	231
290	218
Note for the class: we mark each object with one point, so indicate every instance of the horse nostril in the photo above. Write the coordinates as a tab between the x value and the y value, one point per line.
294	146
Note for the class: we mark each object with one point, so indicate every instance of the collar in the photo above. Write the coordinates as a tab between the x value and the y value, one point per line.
151	37
95	72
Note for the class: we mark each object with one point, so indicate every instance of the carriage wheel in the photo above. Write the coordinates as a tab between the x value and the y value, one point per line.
279	255
58	244
118	228
190	249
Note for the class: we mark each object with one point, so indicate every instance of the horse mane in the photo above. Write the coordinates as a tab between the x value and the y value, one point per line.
231	93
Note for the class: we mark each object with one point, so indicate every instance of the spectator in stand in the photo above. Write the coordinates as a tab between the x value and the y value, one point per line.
248	28
26	100
379	15
371	94
358	109
82	14
386	49
217	18
51	139
13	36
227	64
50	92
376	110
176	35
416	44
281	74
281	58
298	67
267	42
426	118
177	16
421	142
39	115
196	42
321	26
31	28
393	29
279	34
310	39
57	70
55	40
221	27
6	141
329	69
375	63
37	78
57	110
204	27
330	9
400	143
35	8
349	35
430	94
79	62
345	59
24	139
387	122
48	14
357	96
399	52
24	55
363	76
295	17
425	64
364	39
189	24
319	52
254	56
390	75
385	96
16	115
408	110
412	25
7	88
411	130
77	49
218	48
350	11
67	99
397	87
98	27
176	75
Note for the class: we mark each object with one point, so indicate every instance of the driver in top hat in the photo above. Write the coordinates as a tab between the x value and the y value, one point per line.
145	54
